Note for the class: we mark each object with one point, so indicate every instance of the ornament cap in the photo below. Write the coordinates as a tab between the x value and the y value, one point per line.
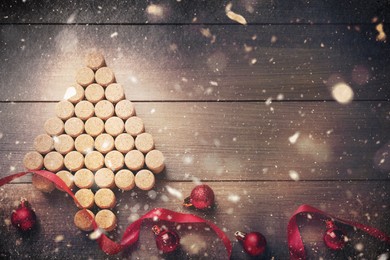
187	202
156	230
239	235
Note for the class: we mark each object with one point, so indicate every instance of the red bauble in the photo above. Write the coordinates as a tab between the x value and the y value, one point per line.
202	197
253	243
167	241
334	237
23	218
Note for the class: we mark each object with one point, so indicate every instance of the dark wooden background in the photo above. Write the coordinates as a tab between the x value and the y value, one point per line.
206	100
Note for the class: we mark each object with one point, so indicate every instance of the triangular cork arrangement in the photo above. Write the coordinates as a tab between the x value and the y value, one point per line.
95	143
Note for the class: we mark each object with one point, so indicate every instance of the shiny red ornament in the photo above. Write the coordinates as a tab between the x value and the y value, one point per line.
202	197
253	243
334	237
167	241
23	218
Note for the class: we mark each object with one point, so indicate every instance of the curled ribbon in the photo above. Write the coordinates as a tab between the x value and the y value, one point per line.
295	243
132	232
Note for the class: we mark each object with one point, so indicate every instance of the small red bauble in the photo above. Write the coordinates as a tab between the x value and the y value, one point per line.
334	237
253	243
23	218
167	241
202	197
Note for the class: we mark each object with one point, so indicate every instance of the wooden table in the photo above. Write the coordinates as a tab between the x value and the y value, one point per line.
246	109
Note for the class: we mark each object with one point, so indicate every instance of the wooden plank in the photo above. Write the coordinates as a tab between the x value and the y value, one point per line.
240	140
270	11
247	206
179	63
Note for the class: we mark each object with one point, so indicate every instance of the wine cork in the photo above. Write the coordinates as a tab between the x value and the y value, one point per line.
154	160
74	161
43	143
53	161
144	142
114	160
104	178
124	143
94	93
33	161
114	126
84	179
105	199
77	93
74	126
94	161
84	143
134	160
94	60
42	183
104	143
84	110
64	109
94	126
114	93
104	109
85	76
67	178
124	180
54	126
83	219
86	198
63	144
124	109
104	76
134	126
106	220
144	179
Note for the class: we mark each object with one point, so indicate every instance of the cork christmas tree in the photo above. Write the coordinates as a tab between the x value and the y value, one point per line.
95	144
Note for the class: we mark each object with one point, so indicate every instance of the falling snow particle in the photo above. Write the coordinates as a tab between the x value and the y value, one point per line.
155	10
384	256
342	93
359	247
293	175
114	34
70	92
193	244
268	101
234	198
280	97
381	34
174	192
72	18
236	17
1	135
96	234
329	131
293	139
274	39
213	83
59	238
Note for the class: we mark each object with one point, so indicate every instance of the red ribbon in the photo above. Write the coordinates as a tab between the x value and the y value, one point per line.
295	243
132	232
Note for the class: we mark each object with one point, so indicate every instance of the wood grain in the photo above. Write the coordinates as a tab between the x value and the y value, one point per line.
240	141
245	206
169	62
269	11
245	109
